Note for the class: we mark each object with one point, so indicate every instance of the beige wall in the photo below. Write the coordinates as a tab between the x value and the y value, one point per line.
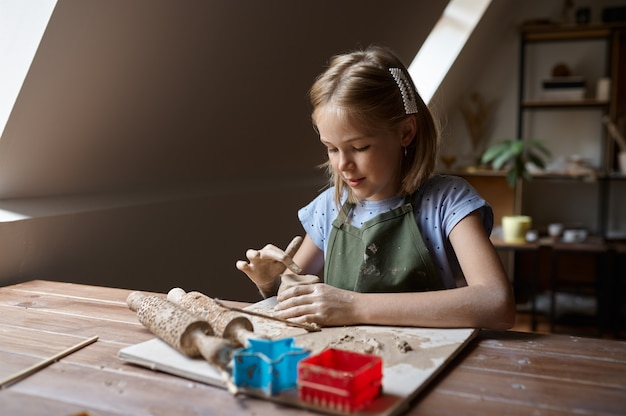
127	94
158	96
191	242
154	96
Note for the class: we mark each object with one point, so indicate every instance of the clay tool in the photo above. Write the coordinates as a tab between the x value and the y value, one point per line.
285	257
227	324
291	249
308	327
34	368
185	332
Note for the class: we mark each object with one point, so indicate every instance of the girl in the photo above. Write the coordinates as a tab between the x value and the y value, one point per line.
398	245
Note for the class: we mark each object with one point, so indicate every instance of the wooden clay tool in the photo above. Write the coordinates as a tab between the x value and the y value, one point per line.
271	252
308	327
227	324
34	368
286	256
185	332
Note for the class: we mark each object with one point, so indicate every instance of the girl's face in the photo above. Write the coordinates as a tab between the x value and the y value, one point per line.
367	161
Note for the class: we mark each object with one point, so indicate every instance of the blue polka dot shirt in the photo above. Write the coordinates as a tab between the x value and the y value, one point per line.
438	206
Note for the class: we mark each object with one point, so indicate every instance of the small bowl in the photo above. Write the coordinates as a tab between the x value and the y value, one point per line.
555	229
532	236
574	236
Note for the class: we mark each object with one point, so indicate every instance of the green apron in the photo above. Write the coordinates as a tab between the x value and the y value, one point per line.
387	254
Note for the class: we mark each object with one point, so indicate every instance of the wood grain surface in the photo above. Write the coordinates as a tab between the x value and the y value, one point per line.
499	372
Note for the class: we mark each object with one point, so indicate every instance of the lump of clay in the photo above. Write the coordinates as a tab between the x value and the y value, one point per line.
290	280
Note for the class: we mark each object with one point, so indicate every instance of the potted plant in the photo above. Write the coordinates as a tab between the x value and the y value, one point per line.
513	156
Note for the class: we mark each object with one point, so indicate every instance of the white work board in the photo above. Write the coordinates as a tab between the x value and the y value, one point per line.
411	357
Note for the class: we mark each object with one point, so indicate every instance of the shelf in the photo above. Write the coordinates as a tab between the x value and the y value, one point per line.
617	176
571	104
568	176
559	32
616	239
598	51
547	176
583	178
475	171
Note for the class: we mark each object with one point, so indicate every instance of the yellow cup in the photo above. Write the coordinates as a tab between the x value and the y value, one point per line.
514	228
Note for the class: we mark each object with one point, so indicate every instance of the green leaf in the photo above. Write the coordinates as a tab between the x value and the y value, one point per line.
536	159
495	151
506	155
513	155
538	145
511	177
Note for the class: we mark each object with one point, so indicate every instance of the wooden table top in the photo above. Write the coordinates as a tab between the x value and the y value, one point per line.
590	244
499	372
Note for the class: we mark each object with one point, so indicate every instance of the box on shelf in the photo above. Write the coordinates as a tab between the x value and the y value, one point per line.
563	88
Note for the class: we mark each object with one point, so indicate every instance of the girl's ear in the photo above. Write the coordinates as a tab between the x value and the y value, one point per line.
408	130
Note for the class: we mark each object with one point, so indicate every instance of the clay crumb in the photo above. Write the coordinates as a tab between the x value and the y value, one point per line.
373	345
403	346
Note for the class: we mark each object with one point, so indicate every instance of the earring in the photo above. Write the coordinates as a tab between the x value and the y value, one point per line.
405	152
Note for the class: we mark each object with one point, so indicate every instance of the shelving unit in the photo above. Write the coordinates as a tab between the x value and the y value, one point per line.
573	127
592	197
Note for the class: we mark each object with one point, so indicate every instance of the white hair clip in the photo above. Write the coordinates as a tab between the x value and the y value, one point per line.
408	95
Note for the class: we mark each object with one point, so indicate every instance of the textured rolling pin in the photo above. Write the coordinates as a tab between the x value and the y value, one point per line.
185	332
227	324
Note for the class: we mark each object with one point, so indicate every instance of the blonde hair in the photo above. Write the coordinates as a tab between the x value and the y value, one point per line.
360	86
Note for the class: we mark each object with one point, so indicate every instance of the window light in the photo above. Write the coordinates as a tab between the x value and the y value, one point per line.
22	25
443	45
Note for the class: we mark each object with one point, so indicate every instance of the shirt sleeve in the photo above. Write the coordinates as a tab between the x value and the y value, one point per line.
317	217
459	200
444	202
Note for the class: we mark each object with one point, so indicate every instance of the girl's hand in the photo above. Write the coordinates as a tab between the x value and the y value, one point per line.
267	264
318	303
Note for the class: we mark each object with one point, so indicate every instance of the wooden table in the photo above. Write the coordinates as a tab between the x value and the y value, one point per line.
598	283
514	249
497	373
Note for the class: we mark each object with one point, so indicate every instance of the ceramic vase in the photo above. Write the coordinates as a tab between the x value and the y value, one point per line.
514	228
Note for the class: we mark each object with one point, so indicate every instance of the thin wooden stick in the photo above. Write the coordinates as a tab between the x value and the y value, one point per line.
34	368
308	327
615	133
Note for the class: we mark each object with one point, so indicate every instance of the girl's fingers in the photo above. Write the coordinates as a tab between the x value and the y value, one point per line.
271	252
252	254
242	265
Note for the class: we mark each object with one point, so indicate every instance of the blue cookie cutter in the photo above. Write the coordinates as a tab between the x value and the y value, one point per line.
268	365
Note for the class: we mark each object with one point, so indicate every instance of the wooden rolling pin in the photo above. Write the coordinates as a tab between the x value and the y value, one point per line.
233	326
185	332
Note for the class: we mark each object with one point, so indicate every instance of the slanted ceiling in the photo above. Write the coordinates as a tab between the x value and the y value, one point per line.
124	95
